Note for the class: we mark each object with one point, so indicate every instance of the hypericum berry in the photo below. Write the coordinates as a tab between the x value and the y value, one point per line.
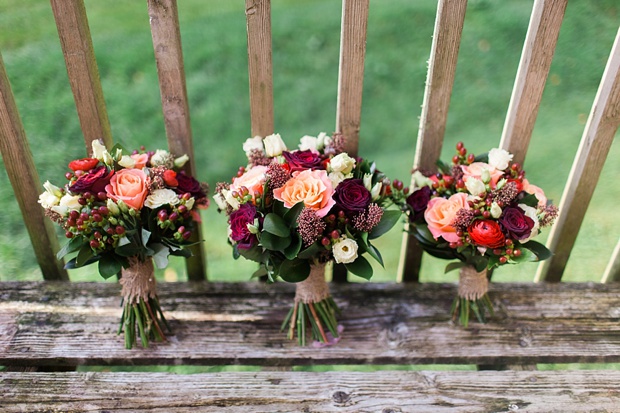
516	253
79	222
486	214
503	259
508	242
162	215
406	190
173	217
335	234
74	214
68	175
181	229
460	184
102	196
398	185
341	214
331	218
186	196
87	195
459	146
448	180
82	201
97	235
459	234
471	158
187	235
463	151
94	244
182	209
110	230
84	216
509	251
71	222
325	241
453	245
455	159
104	210
120	230
497	251
69	234
97	218
515	166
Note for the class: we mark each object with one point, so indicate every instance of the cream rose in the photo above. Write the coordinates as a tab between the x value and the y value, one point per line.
129	186
342	163
127	161
499	158
345	251
313	188
440	214
67	203
308	143
253	144
475	187
274	145
161	197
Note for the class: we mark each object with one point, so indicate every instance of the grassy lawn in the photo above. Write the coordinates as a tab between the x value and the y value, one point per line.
306	43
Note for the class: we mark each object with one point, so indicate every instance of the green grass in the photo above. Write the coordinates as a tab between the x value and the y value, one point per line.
306	43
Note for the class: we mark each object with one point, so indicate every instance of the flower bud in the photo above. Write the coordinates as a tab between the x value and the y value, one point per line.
496	211
113	207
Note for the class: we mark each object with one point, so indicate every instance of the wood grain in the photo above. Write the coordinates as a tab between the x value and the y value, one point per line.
165	31
26	184
238	324
538	50
260	67
351	72
612	271
595	143
381	391
77	48
439	81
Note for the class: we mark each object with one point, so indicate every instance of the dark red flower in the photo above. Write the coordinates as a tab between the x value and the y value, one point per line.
515	223
189	184
84	164
351	196
239	220
301	160
94	181
418	201
486	233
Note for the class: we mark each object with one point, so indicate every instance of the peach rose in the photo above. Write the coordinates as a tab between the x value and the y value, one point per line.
475	170
440	214
129	186
313	188
538	192
254	180
141	160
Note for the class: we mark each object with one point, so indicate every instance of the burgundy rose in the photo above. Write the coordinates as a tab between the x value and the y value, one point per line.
486	233
352	196
418	201
515	223
239	221
189	184
95	181
301	160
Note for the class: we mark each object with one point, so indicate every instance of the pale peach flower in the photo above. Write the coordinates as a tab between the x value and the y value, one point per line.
129	186
476	170
141	160
253	180
440	214
538	192
313	188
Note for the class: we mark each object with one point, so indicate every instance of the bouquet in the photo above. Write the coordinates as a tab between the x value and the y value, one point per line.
126	212
483	212
294	211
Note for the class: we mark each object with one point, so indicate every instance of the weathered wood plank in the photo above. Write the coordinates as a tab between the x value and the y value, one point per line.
166	34
260	67
382	391
351	72
77	47
25	182
595	143
538	49
238	323
612	271
439	81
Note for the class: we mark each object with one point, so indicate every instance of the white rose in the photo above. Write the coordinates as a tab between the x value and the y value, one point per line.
48	200
532	213
420	180
160	157
220	201
342	163
496	210
336	178
323	140
499	158
274	145
475	186
161	197
98	149
255	143
345	251
127	162
309	143
67	203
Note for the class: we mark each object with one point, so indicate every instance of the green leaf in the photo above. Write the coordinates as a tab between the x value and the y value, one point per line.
294	270
388	220
290	217
146	234
279	209
261	272
109	266
275	225
84	255
273	242
72	245
526	256
253	254
181	252
160	256
541	252
128	249
360	267
374	252
529	200
454	266
71	264
292	250
311	251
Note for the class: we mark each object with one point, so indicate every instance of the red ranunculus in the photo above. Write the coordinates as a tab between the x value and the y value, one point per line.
239	220
170	178
418	201
301	160
84	164
352	196
515	223
187	183
486	233
95	181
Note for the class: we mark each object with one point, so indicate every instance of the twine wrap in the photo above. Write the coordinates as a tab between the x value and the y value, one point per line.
473	285
314	288
138	280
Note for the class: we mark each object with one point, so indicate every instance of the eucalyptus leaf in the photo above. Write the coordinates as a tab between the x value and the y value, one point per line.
360	267
109	266
292	250
146	234
128	250
294	270
275	225
273	242
529	200
374	252
454	266
160	256
311	251
72	245
84	255
388	220
290	217
538	249
253	254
